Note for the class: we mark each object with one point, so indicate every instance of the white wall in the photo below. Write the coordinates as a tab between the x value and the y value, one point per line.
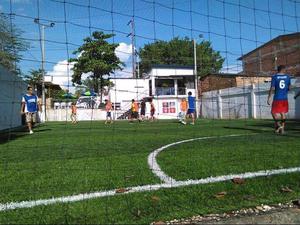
97	114
156	72
246	102
12	89
125	90
82	114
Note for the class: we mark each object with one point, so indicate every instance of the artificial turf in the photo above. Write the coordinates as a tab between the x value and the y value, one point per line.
62	159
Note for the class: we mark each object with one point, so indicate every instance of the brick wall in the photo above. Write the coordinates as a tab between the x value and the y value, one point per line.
215	82
221	81
282	51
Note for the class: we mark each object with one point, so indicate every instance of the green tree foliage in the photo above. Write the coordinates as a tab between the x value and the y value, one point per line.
181	52
34	78
58	94
97	57
91	83
11	44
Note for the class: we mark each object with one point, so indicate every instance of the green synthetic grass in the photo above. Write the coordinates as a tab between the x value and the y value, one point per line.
62	159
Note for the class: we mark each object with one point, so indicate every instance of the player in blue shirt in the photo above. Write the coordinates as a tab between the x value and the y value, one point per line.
191	107
30	106
280	83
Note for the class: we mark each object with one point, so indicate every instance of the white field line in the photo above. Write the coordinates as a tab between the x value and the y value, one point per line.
155	168
151	187
154	187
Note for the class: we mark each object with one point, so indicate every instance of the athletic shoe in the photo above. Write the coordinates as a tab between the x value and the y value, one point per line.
30	132
192	123
183	122
279	130
282	130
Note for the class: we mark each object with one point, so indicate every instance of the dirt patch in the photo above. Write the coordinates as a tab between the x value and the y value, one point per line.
285	216
276	214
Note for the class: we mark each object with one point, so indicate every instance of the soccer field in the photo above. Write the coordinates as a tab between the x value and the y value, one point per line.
119	182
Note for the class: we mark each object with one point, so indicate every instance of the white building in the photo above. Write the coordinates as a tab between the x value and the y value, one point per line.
166	85
126	89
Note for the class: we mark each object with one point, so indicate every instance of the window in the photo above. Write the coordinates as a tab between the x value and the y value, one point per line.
168	107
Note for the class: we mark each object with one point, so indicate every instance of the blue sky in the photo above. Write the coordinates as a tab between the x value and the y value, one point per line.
234	27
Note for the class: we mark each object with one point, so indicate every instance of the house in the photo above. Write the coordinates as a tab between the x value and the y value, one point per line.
259	64
219	81
170	81
164	84
126	89
282	50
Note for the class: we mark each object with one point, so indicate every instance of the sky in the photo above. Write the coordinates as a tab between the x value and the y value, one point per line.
234	27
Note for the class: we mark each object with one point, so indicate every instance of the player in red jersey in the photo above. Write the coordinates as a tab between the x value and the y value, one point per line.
280	84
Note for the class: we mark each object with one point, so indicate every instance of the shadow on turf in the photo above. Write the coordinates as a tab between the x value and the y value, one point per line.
255	130
292	125
267	127
13	134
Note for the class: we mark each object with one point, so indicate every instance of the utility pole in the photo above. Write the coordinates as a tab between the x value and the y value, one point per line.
196	78
132	34
138	70
42	28
198	110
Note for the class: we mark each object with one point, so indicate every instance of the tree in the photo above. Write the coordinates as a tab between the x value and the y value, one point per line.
58	94
11	44
35	78
97	57
181	52
104	83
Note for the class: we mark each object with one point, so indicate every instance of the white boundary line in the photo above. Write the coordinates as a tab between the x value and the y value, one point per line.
171	183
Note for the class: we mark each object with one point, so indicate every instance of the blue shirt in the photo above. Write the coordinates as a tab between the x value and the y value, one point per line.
31	103
281	83
191	101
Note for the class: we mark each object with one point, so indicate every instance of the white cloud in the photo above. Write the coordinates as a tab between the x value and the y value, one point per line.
124	51
62	74
62	71
126	72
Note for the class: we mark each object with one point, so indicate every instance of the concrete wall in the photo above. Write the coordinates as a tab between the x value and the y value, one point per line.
125	90
12	89
166	108
82	114
246	102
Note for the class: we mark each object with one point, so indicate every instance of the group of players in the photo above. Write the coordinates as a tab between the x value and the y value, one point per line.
280	85
187	109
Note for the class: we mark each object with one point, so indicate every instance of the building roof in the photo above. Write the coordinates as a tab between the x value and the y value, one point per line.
292	35
52	86
159	66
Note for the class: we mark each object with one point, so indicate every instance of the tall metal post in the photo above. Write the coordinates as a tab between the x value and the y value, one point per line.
42	28
133	50
196	78
131	22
